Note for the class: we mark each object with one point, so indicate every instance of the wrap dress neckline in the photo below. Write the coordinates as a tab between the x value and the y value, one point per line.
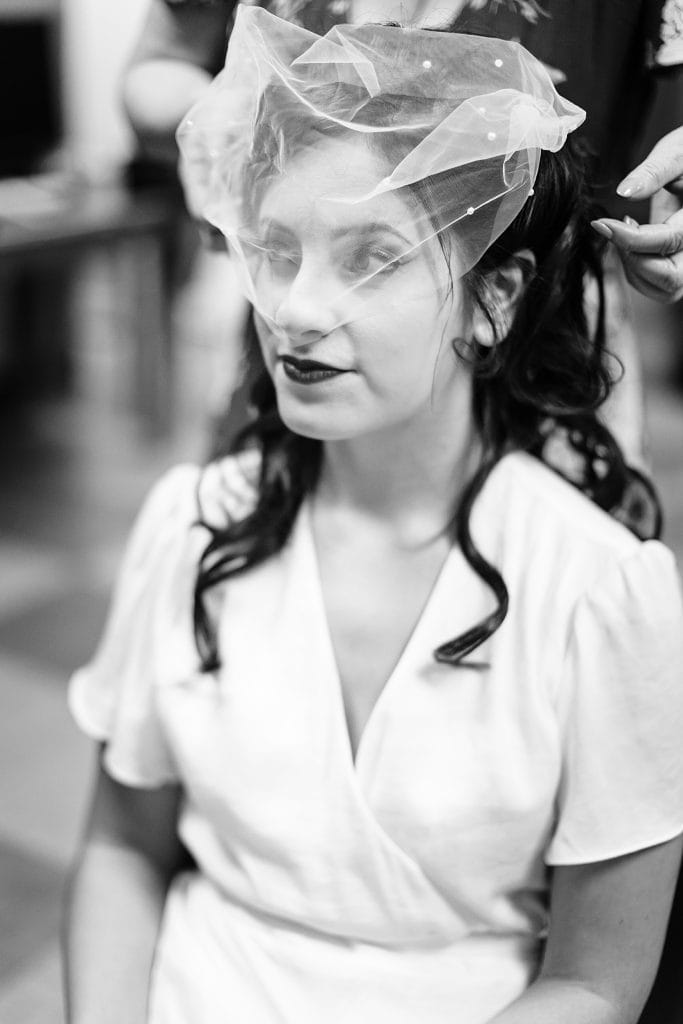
412	648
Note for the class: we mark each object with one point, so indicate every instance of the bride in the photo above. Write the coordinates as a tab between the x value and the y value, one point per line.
389	697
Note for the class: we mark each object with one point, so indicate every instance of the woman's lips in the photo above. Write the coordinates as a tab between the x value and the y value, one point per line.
309	371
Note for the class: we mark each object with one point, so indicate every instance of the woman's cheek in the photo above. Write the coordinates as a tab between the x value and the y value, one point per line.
267	344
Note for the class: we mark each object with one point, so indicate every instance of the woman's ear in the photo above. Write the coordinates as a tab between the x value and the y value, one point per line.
504	288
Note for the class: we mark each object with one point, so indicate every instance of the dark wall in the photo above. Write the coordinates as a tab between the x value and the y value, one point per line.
30	112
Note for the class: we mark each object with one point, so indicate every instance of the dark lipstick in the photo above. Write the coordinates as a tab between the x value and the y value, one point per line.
308	371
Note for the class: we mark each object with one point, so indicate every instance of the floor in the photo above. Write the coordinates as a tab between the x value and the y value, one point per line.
73	473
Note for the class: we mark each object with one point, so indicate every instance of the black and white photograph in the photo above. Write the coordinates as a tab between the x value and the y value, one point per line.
341	606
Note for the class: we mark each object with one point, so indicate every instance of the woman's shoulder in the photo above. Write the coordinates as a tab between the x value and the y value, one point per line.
564	559
215	494
542	502
552	530
228	488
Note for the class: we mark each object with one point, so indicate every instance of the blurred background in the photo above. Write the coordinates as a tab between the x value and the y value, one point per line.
116	355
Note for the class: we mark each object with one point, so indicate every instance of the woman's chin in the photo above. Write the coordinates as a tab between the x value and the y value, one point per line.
318	424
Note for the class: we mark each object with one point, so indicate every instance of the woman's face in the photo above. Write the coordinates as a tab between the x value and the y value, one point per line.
351	354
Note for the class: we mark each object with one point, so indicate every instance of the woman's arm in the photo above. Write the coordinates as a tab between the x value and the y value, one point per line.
608	922
115	900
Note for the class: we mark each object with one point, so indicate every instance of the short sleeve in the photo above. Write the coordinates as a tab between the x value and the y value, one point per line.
148	637
620	710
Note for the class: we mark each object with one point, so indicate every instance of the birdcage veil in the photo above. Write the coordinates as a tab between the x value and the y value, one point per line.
447	129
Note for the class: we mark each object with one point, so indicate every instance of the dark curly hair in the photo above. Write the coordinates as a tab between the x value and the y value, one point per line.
546	381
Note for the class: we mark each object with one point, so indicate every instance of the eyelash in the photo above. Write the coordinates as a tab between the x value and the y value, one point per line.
390	261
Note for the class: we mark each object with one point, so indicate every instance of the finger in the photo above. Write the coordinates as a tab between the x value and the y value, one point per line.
654	239
663	167
658	277
663	205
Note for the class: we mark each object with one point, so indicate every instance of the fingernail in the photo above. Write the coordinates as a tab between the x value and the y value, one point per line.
630	187
631	223
602	229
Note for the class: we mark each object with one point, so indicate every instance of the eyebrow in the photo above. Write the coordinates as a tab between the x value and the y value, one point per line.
371	228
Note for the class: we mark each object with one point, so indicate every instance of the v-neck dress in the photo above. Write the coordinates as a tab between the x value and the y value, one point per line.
412	885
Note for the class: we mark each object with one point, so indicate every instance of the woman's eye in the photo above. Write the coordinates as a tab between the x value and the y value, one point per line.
281	260
370	260
281	255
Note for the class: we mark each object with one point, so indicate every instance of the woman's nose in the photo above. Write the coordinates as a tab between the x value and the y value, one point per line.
306	311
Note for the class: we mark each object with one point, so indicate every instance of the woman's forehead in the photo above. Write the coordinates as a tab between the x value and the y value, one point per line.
324	185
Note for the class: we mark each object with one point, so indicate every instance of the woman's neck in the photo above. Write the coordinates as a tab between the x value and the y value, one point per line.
410	476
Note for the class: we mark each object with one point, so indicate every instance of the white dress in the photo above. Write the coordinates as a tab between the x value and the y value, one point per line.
410	887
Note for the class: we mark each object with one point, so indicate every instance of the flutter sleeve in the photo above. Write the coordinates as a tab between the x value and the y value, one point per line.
148	637
620	708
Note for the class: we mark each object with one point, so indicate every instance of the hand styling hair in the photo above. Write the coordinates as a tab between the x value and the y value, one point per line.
546	379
